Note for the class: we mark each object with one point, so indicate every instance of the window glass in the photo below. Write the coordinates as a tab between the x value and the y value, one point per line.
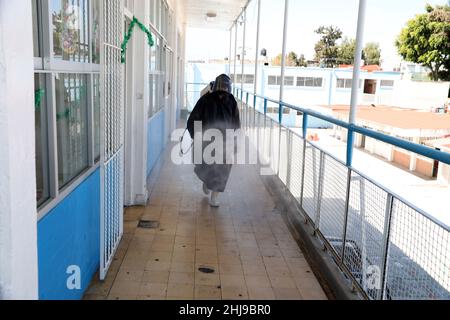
288	81
36	29
40	111
70	20
387	83
72	129
95	31
153	55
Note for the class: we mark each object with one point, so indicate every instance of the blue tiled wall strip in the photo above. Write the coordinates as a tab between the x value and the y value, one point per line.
69	235
155	140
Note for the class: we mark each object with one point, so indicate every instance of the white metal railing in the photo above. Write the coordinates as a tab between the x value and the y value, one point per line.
386	246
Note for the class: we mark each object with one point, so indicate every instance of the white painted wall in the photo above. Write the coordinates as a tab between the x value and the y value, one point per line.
18	216
420	95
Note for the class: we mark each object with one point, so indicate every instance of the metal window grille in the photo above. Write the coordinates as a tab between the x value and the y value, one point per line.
112	132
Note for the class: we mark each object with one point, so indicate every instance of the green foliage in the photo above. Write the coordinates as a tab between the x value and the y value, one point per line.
425	40
372	53
346	51
327	49
292	60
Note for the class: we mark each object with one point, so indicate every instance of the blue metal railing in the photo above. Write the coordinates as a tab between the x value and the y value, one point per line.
419	149
386	246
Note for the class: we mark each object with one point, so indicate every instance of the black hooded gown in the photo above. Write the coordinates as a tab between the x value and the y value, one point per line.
216	110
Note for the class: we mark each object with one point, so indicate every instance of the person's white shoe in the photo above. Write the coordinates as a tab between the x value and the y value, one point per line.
205	189
213	200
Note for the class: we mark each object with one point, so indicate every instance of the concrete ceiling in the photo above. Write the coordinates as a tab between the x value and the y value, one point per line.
226	10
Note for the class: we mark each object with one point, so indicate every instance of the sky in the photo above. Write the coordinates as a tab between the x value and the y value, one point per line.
384	21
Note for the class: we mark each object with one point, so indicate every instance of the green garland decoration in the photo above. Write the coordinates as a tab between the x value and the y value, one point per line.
38	95
129	33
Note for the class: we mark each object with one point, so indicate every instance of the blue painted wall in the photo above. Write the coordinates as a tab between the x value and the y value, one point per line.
155	139
70	235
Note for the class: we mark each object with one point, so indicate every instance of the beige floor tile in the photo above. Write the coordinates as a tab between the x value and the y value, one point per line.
152	289
153	265
207	293
183	256
182	278
257	269
182	267
129	275
232	280
261	281
164	256
282	282
261	293
206	258
230	259
122	297
180	291
287	294
231	269
234	293
155	276
126	288
202	279
149	297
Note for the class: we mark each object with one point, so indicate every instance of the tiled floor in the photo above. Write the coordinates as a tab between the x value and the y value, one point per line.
245	242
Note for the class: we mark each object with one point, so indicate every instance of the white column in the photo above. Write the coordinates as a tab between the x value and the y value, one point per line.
18	216
139	91
357	64
283	53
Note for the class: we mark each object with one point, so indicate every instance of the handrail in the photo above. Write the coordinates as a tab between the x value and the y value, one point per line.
419	149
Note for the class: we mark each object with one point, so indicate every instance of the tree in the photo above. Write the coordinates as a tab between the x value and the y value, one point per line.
292	60
372	54
326	49
425	40
346	51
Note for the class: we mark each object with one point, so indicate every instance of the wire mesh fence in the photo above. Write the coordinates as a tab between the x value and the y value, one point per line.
387	247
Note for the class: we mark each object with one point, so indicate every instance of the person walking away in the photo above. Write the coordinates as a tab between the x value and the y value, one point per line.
216	110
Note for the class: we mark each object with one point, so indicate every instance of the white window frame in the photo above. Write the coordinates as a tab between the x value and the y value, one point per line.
49	66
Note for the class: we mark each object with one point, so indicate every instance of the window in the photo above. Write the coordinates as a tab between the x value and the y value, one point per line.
248	78
71	98
70	30
95	32
309	82
387	83
97	109
288	81
36	29
274	80
41	137
72	126
346	83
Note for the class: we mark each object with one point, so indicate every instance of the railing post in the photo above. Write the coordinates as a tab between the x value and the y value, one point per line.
265	125
303	173
289	158
280	120
305	125
386	233
346	213
305	132
320	189
350	144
